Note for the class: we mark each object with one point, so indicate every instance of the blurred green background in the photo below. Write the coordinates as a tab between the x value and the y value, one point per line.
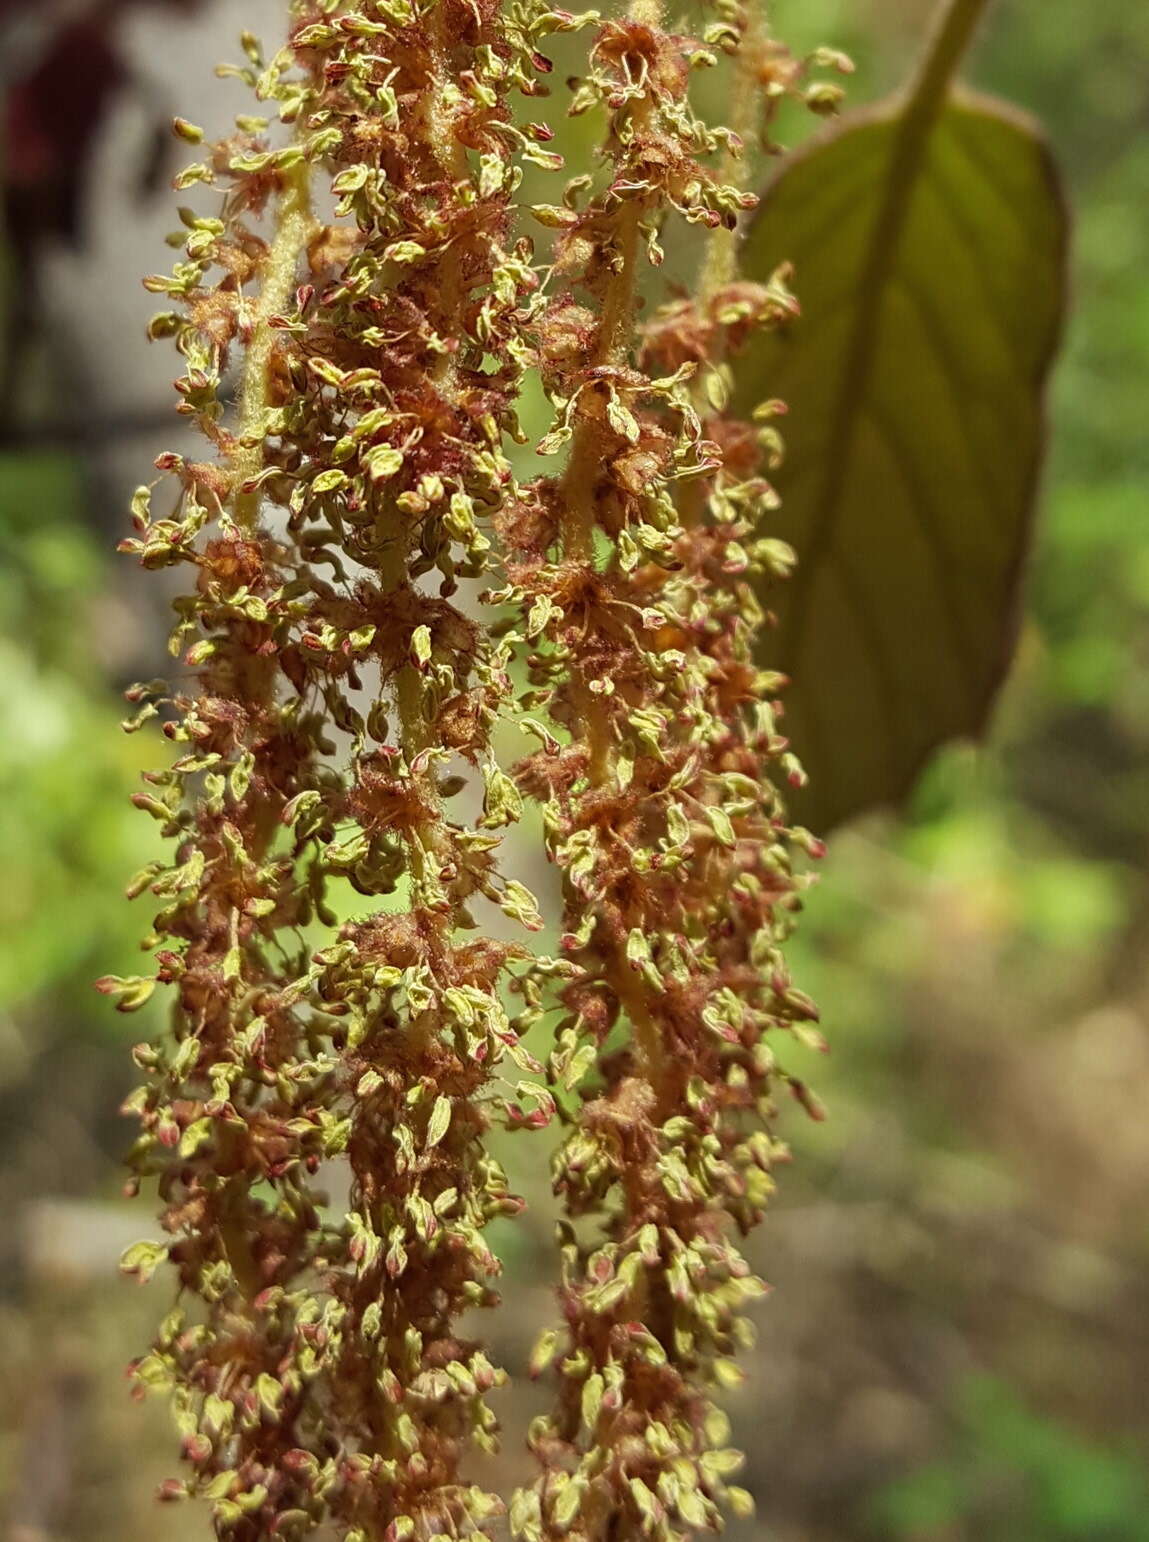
956	1347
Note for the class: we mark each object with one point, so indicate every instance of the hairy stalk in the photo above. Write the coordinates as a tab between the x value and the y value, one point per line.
719	265
294	226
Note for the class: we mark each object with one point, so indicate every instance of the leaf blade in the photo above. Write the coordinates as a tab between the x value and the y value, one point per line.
932	270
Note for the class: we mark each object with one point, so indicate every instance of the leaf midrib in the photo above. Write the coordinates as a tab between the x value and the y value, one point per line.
914	117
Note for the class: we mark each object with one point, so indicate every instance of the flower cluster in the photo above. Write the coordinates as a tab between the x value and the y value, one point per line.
354	362
633	568
338	705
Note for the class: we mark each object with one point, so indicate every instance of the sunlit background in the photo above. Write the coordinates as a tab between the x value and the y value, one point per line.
956	1348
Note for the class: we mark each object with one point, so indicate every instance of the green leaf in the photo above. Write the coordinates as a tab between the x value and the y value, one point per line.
928	238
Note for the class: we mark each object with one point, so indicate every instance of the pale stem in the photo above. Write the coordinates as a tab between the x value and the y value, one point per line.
612	346
294	225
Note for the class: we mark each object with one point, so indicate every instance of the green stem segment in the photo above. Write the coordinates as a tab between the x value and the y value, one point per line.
720	260
953	31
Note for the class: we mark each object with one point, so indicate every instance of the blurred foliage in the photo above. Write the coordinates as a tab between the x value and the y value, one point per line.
955	1349
983	967
66	829
1018	1478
